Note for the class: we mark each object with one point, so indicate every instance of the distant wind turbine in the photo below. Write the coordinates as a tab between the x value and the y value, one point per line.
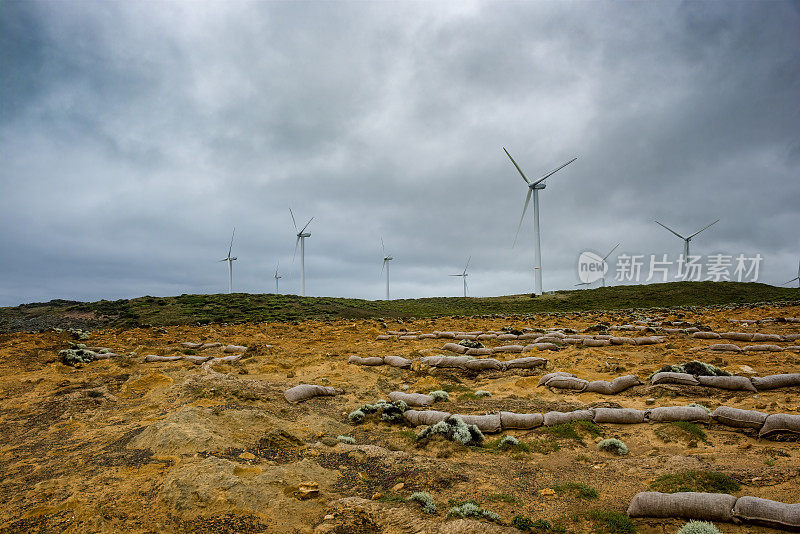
230	261
386	259
533	189
797	278
686	239
464	275
301	239
277	277
605	258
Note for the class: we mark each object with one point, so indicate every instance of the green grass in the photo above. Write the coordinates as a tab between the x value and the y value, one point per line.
244	307
544	446
450	388
501	497
694	480
693	429
526	524
578	489
408	435
611	522
391	498
570	430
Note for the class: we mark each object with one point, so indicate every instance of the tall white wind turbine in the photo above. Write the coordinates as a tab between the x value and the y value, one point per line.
301	239
533	190
230	261
386	259
797	278
464	275
686	239
605	258
277	277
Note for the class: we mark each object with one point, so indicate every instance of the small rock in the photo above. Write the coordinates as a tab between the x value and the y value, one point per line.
377	495
398	486
650	401
747	369
247	456
330	442
546	492
307	490
328	517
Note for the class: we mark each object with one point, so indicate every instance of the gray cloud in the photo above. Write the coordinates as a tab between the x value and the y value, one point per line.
135	136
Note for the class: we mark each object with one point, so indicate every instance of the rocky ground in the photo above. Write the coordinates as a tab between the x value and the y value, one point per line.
123	445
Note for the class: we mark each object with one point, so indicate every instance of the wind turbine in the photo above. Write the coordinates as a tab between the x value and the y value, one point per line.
605	258
797	278
277	277
386	259
686	239
301	239
533	189
464	275
230	263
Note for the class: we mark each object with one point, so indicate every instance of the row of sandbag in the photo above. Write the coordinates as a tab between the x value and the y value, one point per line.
302	392
563	380
454	362
746	336
716	507
192	358
730	347
549	343
733	383
203	346
767	424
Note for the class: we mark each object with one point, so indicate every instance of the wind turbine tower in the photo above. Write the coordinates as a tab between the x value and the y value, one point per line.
797	278
386	259
533	190
604	260
230	261
464	275
301	239
277	277
686	239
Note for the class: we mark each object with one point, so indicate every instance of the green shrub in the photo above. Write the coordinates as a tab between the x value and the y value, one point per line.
454	429
693	429
613	445
424	499
612	522
570	429
526	524
470	509
694	480
482	393
439	395
388	411
579	489
699	527
346	439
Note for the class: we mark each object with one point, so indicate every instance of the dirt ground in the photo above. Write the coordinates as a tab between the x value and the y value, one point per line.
122	445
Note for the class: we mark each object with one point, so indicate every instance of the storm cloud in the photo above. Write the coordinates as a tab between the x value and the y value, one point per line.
135	135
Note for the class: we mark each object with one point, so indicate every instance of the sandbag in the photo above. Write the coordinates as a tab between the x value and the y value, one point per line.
567	382
765	512
457	362
776	381
104	355
649	340
762	348
521	421
234	348
306	391
737	336
190	345
543	380
529	362
540	346
487	336
507	348
197	359
739	418
724	347
528	335
548	339
596	342
228	359
623	416
674	378
734	383
622	341
426	336
447	335
669	414
621	383
484	364
455	347
706	335
156	358
687	505
383	337
432	361
479	352
603	336
372	360
425	417
557	418
210	345
780	422
507	336
486	423
795	348
407	338
397	361
791	337
412	399
767	337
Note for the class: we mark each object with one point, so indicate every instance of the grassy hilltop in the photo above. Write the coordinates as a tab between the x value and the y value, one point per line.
243	307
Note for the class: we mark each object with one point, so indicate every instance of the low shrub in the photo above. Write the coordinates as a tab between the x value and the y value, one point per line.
439	395
470	509
454	429
613	445
612	522
579	489
424	499
699	527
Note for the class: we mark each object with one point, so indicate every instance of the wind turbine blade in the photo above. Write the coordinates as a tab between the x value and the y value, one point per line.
297	242
293	221
522	218
671	230
551	173
467	265
609	254
383	249
231	247
306	226
383	266
447	275
703	228
517	166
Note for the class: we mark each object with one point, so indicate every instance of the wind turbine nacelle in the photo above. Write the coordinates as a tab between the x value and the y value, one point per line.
307	234
232	259
538	186
388	258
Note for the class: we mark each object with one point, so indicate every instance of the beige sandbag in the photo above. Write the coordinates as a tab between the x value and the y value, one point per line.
622	341
540	346
455	347
487	336
762	348
486	423
624	416
770	513
412	399
425	417
156	358
528	335
521	421
543	380
432	361
227	359
737	336
674	378
197	359
234	348
210	345
687	505
621	383
383	337
479	352
104	355
471	337
548	339
733	383
669	414
603	336
507	348
190	345
780	422
455	362
505	337
724	347
776	381
397	361
529	362
371	360
794	348
446	335
649	340
407	338
791	337
557	418
484	364
739	418
306	391
767	337
427	336
567	382
706	335
596	342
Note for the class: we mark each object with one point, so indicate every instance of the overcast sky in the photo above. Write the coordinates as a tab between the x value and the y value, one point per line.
135	135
